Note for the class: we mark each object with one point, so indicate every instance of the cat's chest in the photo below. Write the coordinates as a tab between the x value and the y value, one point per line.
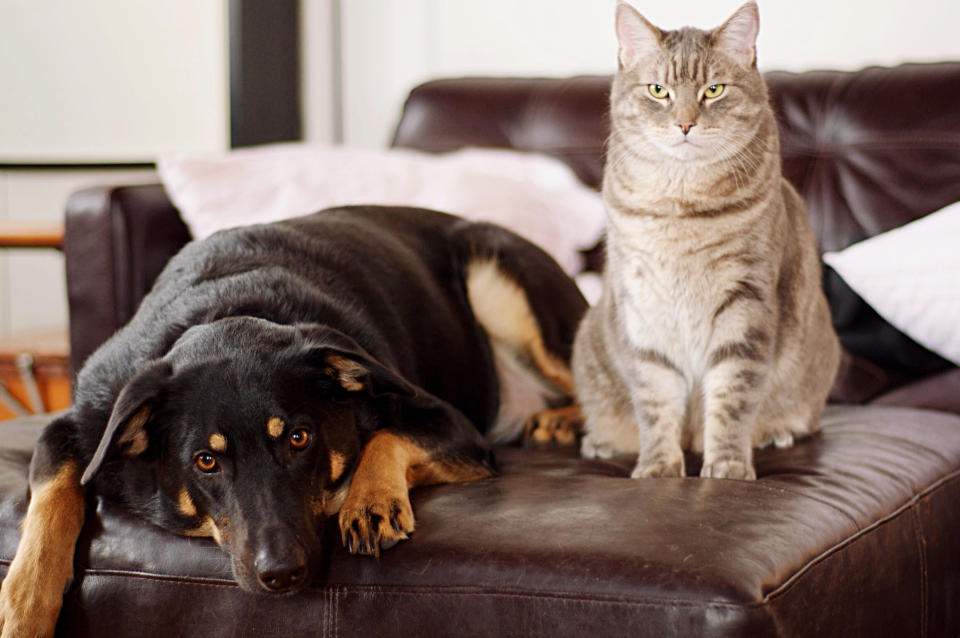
668	291
684	272
668	294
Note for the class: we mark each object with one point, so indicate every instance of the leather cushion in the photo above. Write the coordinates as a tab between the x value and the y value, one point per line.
558	545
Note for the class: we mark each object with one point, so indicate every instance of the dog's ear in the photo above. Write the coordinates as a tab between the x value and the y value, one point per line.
126	430
344	361
359	372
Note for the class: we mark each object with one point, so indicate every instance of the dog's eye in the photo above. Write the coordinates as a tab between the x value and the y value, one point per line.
206	463
299	439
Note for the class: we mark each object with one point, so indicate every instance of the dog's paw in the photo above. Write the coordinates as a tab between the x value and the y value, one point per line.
729	469
374	522
659	469
557	426
23	614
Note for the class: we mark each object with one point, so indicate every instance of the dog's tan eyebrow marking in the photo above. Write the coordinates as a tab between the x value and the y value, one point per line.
338	462
185	503
275	427
218	442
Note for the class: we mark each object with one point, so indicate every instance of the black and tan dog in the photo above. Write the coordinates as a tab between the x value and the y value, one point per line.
280	374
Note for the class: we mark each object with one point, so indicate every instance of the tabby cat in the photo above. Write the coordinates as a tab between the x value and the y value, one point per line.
712	332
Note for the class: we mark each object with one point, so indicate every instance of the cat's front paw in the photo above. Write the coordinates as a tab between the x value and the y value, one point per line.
659	469
591	449
728	469
779	439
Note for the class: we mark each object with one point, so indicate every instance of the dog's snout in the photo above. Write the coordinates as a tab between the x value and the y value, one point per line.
282	578
281	567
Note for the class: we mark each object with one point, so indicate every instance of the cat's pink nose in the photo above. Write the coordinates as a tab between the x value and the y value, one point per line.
686	125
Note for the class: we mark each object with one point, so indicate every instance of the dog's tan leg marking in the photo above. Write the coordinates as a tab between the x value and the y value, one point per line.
377	514
556	426
32	592
501	306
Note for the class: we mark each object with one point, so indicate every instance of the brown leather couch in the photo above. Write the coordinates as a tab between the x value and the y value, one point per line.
855	532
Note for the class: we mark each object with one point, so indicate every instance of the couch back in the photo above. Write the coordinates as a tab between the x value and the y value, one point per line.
868	150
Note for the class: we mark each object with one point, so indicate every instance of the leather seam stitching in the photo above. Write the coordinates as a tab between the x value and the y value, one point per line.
922	554
906	507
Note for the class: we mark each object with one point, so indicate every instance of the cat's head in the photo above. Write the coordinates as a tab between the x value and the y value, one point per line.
689	94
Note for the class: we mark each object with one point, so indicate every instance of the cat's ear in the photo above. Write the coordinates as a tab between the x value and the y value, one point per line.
636	36
737	37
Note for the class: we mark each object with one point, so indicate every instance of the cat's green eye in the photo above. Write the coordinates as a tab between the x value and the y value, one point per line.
712	91
658	91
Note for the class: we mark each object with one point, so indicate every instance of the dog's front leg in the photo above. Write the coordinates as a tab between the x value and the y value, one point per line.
31	594
377	514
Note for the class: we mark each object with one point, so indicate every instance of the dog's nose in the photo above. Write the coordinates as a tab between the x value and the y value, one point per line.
279	571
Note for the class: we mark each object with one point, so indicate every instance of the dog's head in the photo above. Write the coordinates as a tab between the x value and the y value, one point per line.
248	432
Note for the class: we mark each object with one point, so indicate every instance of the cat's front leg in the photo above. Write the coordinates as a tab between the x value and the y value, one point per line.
733	389
659	396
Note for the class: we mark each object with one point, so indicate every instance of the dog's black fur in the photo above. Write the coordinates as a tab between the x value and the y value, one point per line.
296	343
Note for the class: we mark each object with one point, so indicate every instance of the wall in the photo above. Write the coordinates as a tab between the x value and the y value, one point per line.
33	294
112	80
391	45
101	81
121	80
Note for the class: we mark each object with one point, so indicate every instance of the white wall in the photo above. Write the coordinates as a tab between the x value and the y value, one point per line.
33	295
112	80
99	81
319	71
391	45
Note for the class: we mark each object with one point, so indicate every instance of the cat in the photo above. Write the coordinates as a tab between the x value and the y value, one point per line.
712	332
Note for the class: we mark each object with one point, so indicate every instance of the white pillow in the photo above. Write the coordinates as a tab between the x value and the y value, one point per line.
911	276
536	196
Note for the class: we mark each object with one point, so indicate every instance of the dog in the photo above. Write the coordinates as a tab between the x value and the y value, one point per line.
282	374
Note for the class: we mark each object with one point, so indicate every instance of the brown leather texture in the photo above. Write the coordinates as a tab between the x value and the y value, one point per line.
869	151
852	532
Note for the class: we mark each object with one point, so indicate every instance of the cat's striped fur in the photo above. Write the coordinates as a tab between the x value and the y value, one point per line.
712	332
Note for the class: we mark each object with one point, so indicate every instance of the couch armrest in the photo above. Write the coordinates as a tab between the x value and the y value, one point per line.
116	241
